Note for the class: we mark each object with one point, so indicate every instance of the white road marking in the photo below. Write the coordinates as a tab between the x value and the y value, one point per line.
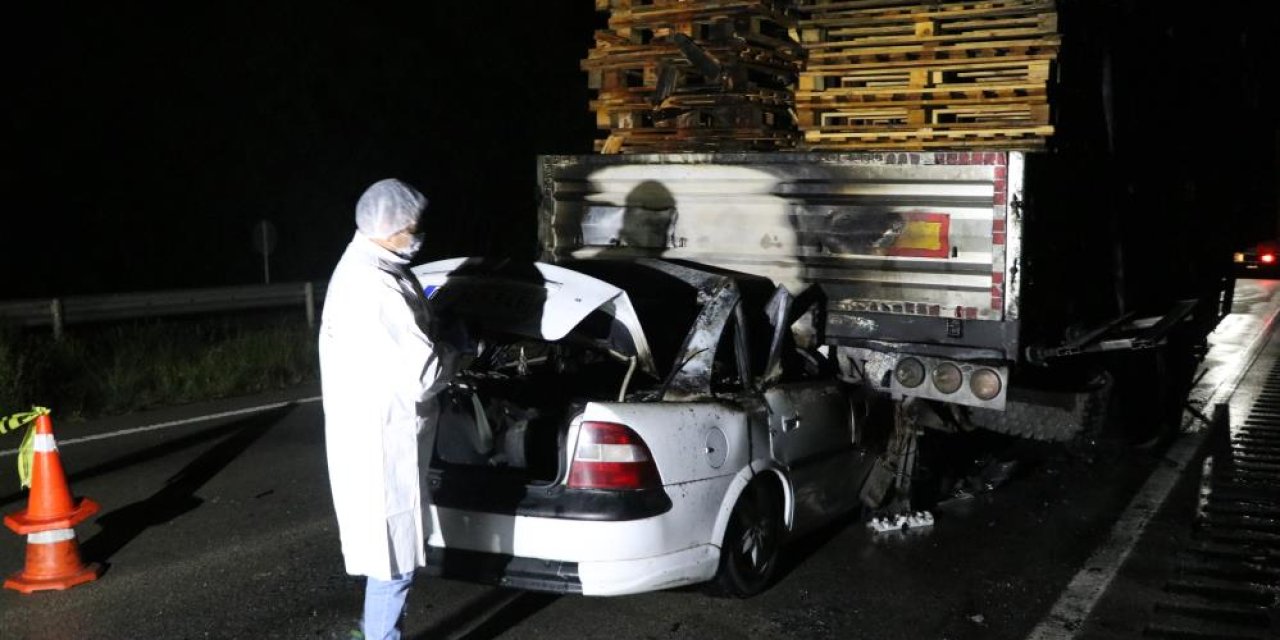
1077	601
174	423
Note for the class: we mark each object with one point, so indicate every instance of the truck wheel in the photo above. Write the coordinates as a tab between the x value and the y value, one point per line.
1163	396
752	541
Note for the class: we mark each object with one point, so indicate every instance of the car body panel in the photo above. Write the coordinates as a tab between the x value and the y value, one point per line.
812	438
626	577
677	434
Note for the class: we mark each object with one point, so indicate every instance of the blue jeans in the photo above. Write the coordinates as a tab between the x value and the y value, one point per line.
384	607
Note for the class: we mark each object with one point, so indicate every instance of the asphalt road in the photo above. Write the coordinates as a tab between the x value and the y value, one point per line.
223	529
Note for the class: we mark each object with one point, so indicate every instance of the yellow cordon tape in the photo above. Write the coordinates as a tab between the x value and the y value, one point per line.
26	450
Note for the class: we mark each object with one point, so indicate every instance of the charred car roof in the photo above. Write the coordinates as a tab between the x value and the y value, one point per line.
669	315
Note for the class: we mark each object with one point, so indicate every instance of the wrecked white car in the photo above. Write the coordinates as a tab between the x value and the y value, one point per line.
631	426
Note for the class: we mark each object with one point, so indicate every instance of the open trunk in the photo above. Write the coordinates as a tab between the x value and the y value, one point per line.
546	340
512	409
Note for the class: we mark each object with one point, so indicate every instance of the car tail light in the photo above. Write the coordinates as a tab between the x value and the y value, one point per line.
1268	258
611	456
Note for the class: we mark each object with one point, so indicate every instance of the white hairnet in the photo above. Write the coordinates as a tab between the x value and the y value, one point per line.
388	206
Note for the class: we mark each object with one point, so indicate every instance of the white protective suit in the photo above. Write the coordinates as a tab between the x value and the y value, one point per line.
377	363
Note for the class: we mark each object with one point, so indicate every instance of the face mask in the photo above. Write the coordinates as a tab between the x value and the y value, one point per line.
415	243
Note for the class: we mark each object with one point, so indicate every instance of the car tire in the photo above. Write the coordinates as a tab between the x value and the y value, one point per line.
749	554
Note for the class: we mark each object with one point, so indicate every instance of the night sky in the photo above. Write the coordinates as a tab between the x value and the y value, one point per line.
144	144
149	142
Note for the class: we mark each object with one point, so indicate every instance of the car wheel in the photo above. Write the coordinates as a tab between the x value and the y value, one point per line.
752	541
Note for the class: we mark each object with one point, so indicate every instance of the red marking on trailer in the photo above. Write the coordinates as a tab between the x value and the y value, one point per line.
924	235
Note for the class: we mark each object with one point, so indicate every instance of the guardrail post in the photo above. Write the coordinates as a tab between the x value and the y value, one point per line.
309	292
55	310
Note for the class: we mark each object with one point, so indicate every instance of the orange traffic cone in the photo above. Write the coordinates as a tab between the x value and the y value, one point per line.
53	555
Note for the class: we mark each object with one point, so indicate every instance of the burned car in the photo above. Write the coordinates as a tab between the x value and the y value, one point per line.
631	426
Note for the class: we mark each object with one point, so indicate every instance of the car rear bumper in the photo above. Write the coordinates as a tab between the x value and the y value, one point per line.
580	555
603	578
533	574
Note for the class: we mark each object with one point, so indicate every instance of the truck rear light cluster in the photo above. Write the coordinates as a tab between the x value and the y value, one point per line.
960	382
611	456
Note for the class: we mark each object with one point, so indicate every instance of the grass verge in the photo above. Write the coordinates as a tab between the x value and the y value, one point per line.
117	368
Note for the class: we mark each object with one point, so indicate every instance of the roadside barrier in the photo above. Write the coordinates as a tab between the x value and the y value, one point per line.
59	312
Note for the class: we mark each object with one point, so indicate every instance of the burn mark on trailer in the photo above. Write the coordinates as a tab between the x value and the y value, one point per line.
856	324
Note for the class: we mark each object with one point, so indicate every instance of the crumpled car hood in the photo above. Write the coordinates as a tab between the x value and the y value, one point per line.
530	299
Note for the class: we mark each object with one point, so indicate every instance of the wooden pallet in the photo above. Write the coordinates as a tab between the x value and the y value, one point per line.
842	13
745	103
604	57
918	74
1020	144
881	8
888	117
675	140
638	67
1030	93
830	36
706	21
934	136
621	6
692	99
698	111
931	31
875	81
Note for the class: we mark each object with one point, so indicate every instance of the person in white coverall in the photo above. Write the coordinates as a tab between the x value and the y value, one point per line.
379	364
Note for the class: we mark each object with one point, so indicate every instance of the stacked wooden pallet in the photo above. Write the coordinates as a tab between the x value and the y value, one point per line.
694	75
913	74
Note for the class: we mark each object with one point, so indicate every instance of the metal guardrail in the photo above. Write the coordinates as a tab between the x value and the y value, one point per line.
59	312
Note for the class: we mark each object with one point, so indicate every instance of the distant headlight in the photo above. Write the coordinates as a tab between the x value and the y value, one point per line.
985	383
947	377
909	372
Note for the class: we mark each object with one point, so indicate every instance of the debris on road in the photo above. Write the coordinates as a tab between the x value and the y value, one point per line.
901	522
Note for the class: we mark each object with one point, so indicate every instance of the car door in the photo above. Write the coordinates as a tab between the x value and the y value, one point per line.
810	434
810	422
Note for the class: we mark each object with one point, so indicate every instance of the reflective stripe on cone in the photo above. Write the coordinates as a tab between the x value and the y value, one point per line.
53	563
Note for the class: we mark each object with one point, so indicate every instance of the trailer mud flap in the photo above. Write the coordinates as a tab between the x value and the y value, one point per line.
1054	416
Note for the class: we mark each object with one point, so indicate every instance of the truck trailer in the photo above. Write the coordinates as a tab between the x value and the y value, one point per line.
1039	292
